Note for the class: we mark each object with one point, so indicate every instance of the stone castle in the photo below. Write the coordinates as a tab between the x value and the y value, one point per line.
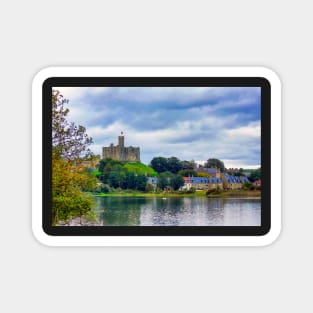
120	152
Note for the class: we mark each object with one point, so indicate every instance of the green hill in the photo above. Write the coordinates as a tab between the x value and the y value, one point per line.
140	168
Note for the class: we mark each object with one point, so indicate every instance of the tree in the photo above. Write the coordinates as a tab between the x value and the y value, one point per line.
130	180
141	182
69	149
215	163
174	165
176	182
106	162
188	165
117	177
69	141
149	187
255	175
105	167
159	164
163	181
188	173
240	172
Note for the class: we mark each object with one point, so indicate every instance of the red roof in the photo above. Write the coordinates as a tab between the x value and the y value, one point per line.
186	179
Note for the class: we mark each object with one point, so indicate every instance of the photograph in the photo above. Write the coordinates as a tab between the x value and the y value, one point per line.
156	156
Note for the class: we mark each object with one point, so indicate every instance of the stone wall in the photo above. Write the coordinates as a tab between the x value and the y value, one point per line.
126	154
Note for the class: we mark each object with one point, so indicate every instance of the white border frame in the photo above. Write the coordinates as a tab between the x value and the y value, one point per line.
49	240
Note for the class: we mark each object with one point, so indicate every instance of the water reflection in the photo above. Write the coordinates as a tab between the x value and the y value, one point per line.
200	211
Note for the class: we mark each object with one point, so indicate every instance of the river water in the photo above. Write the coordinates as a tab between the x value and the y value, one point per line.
184	211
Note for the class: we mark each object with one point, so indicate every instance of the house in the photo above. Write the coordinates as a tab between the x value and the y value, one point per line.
231	182
187	183
215	183
153	180
199	182
244	179
257	183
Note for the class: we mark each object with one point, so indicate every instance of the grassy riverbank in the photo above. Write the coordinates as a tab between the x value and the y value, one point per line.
200	193
236	193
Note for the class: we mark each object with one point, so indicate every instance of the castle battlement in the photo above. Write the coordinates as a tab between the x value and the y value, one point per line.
120	152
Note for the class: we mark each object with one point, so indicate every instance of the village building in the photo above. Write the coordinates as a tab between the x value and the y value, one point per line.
153	180
200	183
244	179
257	183
187	183
215	183
231	182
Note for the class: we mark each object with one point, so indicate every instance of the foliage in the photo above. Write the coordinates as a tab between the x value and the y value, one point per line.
69	179
117	177
105	167
117	174
214	191
176	182
239	172
188	173
105	188
140	168
131	180
163	181
190	191
255	175
69	141
215	163
188	165
172	164
202	174
168	179
248	186
91	216
149	187
68	200
159	164
141	182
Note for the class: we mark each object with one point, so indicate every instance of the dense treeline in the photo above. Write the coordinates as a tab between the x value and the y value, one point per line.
172	164
116	175
255	175
215	163
170	180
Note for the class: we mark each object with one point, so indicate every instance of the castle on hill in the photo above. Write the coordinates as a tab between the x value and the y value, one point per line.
120	152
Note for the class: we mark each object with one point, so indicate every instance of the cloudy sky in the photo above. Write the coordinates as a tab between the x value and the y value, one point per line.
191	123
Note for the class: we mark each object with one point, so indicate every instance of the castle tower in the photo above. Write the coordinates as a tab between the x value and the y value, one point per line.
120	152
121	140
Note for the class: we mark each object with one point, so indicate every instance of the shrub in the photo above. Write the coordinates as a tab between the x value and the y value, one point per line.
191	190
214	191
105	188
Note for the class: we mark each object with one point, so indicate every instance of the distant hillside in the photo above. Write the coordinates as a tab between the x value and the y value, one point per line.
140	168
